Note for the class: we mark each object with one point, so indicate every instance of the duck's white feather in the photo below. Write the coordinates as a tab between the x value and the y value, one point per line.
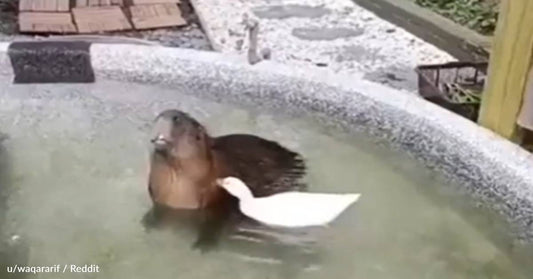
295	209
289	209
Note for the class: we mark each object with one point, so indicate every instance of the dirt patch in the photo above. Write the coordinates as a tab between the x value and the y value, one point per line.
8	16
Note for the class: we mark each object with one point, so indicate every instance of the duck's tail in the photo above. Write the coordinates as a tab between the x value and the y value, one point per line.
347	200
351	198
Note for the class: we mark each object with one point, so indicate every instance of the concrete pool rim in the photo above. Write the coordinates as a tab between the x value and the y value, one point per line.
491	169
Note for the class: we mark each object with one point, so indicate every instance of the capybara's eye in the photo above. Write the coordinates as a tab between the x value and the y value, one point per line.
175	118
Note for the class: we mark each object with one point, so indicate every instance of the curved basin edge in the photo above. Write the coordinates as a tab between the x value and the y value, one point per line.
491	169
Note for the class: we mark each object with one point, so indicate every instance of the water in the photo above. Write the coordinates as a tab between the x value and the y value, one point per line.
77	193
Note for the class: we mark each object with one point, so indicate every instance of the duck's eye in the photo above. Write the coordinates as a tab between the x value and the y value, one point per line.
199	136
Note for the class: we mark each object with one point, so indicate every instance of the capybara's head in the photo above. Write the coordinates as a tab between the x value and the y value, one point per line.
182	167
180	136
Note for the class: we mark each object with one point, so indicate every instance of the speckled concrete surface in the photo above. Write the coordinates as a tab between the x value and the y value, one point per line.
5	66
497	173
336	34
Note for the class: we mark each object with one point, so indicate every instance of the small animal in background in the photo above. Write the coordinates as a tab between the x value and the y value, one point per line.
288	209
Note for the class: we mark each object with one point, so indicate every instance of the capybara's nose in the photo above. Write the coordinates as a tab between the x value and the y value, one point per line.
160	142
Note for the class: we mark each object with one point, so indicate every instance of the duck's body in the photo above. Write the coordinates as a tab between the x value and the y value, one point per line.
289	209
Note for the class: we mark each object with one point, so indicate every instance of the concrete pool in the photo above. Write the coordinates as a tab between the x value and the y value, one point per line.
433	183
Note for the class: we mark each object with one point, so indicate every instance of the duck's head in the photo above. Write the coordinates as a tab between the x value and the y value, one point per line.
235	187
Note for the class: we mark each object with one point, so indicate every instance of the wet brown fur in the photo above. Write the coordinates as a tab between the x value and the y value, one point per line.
265	166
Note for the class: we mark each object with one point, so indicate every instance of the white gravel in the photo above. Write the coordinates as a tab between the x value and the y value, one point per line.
380	51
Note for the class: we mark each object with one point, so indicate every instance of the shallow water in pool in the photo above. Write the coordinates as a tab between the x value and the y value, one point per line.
77	192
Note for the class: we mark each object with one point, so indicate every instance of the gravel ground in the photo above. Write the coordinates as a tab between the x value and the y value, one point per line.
190	36
337	35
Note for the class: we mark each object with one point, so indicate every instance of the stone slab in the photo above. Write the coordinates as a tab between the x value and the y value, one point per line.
51	62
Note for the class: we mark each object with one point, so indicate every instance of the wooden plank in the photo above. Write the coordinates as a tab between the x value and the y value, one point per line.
525	118
98	3
38	5
63	5
46	22
156	15
25	5
44	5
510	61
49	5
100	19
144	2
81	3
47	17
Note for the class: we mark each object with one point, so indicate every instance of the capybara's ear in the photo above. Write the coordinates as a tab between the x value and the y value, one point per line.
209	141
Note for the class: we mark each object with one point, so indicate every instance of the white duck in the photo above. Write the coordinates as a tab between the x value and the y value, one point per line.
288	209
